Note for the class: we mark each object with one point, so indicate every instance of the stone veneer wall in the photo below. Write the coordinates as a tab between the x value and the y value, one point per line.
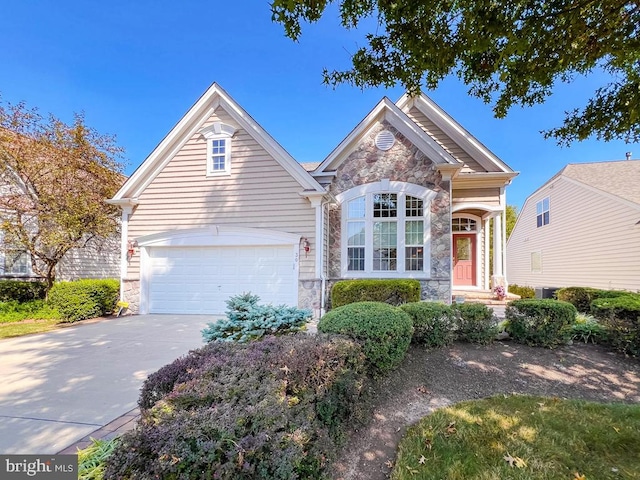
310	295
403	163
132	295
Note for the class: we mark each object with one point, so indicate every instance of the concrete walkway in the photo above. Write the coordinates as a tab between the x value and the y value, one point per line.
60	386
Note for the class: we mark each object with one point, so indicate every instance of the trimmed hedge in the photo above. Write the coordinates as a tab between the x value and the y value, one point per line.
271	409
384	331
19	291
84	299
544	323
522	291
394	292
433	323
581	297
476	323
621	318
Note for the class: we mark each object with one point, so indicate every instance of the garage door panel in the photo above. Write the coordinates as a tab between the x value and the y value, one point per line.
201	279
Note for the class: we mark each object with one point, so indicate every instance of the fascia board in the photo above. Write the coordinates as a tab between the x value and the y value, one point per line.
457	132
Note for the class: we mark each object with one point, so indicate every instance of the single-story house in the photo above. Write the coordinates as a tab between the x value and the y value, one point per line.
220	208
581	228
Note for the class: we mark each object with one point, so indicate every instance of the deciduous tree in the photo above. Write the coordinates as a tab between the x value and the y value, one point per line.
55	178
507	52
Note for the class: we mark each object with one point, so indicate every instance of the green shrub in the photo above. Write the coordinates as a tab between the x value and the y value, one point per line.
587	329
581	297
385	331
92	459
621	318
246	320
15	290
271	409
543	323
475	323
394	292
15	311
522	291
433	323
84	299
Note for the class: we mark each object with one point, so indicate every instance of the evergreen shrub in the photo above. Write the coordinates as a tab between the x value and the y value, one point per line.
621	318
84	299
247	320
271	409
433	323
385	331
20	291
475	323
581	297
522	291
391	291
543	323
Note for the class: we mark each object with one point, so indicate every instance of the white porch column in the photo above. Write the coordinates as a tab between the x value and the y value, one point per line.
498	272
124	247
486	234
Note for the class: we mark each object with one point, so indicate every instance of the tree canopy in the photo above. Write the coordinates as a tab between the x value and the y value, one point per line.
507	52
54	180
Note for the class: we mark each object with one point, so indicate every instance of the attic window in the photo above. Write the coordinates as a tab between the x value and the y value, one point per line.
219	136
385	140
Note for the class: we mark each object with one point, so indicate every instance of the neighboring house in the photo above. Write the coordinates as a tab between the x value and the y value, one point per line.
219	208
581	228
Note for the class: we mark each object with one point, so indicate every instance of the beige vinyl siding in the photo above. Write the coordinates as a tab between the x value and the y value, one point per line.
487	196
445	142
259	193
591	240
99	259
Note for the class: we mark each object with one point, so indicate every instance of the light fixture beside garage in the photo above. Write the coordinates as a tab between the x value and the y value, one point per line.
306	246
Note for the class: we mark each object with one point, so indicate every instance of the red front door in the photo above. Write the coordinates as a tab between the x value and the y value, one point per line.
464	259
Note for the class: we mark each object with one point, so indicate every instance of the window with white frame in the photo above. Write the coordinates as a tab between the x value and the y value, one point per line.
219	138
463	224
542	212
387	233
16	261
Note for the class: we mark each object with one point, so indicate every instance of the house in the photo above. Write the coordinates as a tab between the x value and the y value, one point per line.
581	228
219	207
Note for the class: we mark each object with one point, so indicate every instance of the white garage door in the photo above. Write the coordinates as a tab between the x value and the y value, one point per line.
200	279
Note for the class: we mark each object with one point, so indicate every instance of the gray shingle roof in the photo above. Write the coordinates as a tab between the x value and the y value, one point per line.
620	178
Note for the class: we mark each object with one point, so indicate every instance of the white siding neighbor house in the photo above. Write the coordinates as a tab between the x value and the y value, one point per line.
581	228
220	208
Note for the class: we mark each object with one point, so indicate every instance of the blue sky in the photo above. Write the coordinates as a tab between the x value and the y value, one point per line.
135	67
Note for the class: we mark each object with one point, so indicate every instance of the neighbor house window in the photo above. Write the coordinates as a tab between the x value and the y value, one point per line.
387	233
219	138
16	261
542	212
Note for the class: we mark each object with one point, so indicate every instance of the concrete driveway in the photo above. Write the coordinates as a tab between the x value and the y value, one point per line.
59	386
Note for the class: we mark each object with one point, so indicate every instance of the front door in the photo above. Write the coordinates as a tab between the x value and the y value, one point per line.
464	259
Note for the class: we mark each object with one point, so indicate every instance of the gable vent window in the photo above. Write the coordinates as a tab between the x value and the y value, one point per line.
385	140
219	137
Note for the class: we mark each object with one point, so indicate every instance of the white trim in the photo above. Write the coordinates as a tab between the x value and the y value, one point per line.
402	189
218	235
218	131
492	209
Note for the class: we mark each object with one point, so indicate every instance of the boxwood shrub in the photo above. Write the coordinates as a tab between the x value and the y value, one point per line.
84	299
581	297
19	291
621	319
522	291
392	291
475	323
433	323
271	409
385	331
544	323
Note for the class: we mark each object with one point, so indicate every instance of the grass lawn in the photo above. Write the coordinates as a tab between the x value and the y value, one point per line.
522	437
18	319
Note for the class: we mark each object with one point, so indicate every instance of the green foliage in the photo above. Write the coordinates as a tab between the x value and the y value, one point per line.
507	53
271	409
621	317
246	320
581	297
32	310
541	323
523	291
433	323
587	329
92	459
475	323
14	290
394	292
554	438
84	299
385	331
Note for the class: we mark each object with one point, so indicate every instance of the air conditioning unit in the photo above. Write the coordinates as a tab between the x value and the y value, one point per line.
546	292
